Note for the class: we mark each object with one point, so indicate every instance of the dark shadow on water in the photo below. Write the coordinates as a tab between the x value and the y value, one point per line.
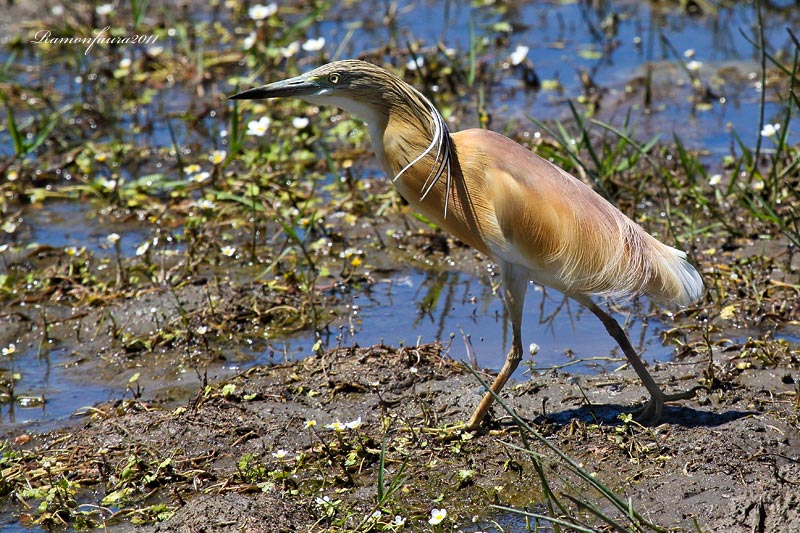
682	415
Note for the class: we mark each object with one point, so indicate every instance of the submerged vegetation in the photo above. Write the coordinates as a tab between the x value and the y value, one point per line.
217	224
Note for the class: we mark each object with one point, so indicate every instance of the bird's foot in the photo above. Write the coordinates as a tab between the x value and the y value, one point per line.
650	413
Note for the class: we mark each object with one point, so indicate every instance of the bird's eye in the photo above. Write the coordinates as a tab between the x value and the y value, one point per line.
334	78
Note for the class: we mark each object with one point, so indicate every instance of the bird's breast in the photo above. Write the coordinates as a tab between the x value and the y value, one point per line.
467	216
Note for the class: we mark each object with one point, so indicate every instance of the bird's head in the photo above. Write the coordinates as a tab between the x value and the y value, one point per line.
356	86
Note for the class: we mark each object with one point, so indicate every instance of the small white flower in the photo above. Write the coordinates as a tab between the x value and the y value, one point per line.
104	9
519	54
694	66
57	10
200	177
414	64
218	156
227	251
154	50
9	226
107	184
280	454
325	500
300	122
398	521
290	50
113	238
688	53
192	169
202	330
260	12
355	424
770	130
376	515
204	203
310	423
142	249
10	349
715	179
336	426
314	45
258	127
125	62
349	252
249	41
758	185
437	515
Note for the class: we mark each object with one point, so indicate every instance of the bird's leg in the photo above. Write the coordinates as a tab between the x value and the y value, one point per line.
512	361
651	412
515	283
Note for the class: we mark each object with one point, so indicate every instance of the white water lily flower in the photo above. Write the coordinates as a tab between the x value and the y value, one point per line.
355	424
218	156
336	426
289	50
314	45
204	203
770	130
414	64
437	515
260	11
300	122
258	127
249	41
519	54
280	454
104	9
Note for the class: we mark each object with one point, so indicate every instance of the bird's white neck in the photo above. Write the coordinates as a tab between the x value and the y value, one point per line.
375	119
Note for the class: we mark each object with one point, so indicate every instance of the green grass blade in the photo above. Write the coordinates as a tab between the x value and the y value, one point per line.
16	136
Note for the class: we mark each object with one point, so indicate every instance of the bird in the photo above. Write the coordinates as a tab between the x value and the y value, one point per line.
536	221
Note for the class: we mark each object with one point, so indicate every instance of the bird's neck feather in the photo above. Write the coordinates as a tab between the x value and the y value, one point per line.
405	137
400	125
375	118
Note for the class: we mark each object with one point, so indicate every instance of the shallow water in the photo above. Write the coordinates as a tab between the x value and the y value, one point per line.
565	37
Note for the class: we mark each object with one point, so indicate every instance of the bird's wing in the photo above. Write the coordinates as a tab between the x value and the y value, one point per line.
568	236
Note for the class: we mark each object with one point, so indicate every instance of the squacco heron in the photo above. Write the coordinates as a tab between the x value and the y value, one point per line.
536	221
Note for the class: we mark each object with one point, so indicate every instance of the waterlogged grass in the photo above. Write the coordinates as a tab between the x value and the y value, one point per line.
264	206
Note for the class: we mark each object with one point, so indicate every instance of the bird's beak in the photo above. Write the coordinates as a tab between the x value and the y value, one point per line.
297	87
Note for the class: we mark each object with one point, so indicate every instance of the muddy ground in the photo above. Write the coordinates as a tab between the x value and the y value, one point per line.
726	461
